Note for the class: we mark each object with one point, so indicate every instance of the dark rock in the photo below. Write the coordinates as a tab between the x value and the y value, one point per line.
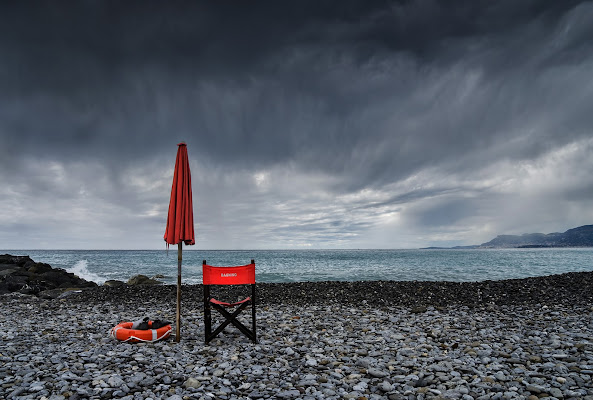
114	283
143	280
8	269
15	282
57	276
19	260
423	382
62	279
23	275
9	266
21	272
38	268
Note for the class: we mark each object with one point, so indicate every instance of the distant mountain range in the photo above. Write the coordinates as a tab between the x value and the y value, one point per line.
576	237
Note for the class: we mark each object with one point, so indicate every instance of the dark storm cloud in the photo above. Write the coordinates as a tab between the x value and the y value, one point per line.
286	75
421	103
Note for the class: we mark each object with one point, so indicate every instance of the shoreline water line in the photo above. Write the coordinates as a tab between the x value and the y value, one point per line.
323	265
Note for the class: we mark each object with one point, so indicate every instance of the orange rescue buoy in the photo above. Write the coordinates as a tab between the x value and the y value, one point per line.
125	333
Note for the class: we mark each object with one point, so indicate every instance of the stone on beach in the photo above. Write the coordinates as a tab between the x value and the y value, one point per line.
143	280
113	282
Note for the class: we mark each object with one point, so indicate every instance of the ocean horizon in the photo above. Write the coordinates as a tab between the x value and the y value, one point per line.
457	265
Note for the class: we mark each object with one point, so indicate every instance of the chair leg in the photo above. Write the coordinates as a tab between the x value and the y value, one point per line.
253	312
231	319
207	315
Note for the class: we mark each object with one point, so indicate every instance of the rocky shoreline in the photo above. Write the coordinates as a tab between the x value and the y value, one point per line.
515	339
575	288
23	275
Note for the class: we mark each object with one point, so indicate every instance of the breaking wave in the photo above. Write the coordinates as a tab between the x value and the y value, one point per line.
81	270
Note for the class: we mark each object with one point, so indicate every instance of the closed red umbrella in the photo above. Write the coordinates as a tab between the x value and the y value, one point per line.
180	220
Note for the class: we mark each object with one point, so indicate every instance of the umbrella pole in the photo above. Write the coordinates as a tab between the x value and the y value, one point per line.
178	319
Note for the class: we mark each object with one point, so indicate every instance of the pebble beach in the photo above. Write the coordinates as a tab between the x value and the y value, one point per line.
517	339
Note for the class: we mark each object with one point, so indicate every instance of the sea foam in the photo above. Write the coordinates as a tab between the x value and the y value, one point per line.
80	268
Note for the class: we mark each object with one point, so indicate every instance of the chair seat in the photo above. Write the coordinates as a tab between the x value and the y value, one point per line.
224	304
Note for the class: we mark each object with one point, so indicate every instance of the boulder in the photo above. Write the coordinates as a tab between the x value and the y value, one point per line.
15	282
38	268
143	280
8	269
57	276
18	260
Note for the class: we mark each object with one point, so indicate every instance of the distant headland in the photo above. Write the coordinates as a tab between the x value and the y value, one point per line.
575	237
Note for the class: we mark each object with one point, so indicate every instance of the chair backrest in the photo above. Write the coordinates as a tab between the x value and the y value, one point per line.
240	275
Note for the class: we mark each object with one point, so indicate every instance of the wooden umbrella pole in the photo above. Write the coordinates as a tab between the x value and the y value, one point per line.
178	319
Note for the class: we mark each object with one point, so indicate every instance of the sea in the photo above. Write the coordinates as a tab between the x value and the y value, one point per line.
457	265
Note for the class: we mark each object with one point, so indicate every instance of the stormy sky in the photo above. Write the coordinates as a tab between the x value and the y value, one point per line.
309	124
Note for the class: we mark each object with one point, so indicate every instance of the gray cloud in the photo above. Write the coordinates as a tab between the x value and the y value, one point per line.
390	124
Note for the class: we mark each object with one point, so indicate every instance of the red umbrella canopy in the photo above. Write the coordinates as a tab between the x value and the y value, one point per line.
180	221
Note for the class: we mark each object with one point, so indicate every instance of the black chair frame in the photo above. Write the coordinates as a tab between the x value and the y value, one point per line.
211	303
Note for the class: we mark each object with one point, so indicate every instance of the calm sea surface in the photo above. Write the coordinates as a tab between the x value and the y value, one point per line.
322	265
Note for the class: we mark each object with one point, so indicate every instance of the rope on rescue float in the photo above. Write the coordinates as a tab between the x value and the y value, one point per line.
155	336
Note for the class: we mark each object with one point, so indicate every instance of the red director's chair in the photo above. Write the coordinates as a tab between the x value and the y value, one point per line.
241	275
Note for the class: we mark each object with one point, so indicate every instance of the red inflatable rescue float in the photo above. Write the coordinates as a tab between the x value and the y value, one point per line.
125	333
